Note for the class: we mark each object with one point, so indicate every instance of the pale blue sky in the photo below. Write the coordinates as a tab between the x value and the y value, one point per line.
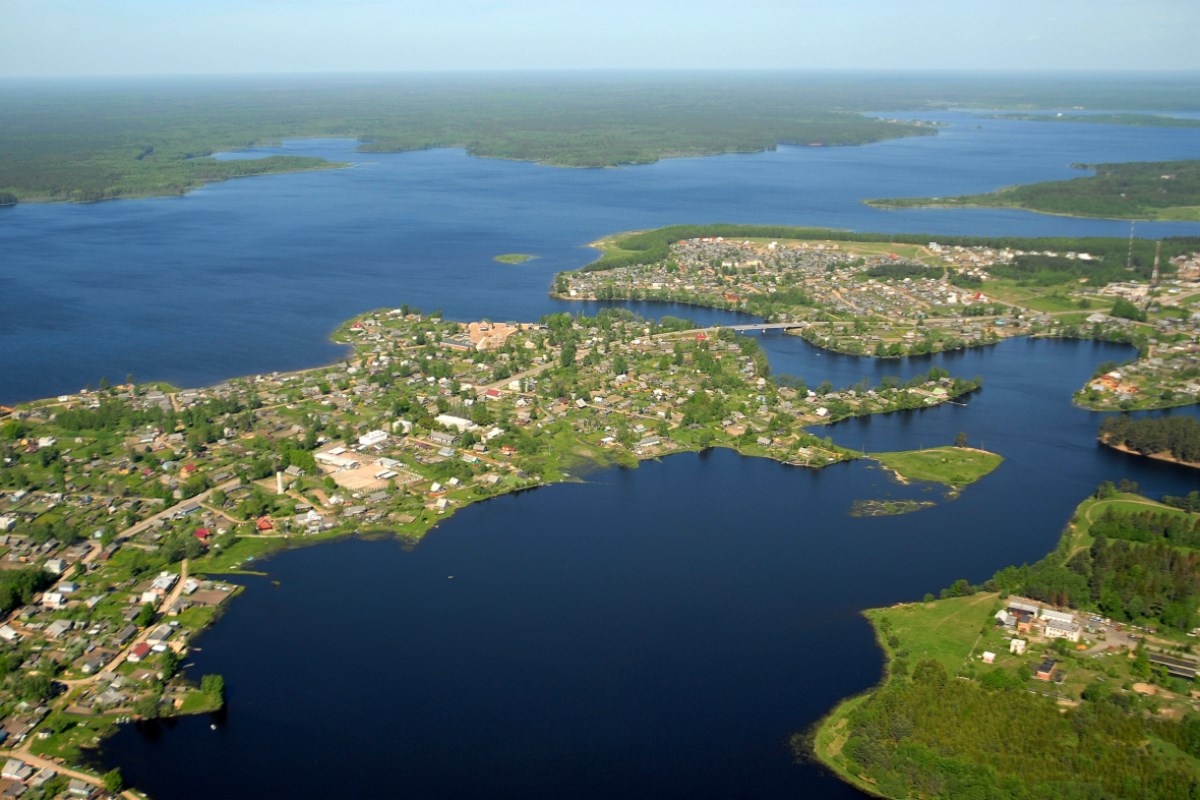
167	37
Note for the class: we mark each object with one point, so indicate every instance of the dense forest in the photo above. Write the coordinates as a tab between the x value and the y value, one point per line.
106	138
1141	566
91	141
18	586
1177	436
930	735
1135	190
1110	254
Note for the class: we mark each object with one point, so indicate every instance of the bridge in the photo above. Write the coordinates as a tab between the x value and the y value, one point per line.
763	326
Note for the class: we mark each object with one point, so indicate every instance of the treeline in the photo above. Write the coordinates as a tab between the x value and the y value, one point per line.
1043	270
1136	190
1151	572
1148	526
18	586
1178	436
901	271
649	247
932	736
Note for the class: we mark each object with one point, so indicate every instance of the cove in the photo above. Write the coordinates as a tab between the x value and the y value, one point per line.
656	632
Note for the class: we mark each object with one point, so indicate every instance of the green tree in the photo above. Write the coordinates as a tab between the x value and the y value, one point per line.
113	781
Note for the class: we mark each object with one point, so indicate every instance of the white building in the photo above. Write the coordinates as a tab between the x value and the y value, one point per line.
371	438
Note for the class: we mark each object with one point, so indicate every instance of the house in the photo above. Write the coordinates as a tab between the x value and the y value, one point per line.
57	628
1062	630
159	635
372	438
139	652
989	657
16	770
124	636
8	634
264	524
78	788
1046	670
1017	647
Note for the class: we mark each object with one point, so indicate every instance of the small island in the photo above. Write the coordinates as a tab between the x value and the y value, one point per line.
956	467
514	258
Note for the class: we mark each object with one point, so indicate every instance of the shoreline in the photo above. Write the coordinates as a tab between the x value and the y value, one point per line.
1163	457
568	456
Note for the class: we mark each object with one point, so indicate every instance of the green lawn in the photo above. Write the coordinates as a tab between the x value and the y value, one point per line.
955	467
944	630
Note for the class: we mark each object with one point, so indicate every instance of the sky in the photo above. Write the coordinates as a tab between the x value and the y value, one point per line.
207	37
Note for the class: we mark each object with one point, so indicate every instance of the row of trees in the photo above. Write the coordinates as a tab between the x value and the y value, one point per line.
1179	436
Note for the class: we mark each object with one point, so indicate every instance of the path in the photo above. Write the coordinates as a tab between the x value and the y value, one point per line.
45	763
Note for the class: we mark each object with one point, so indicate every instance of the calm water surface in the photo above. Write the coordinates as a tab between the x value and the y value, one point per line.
252	275
650	633
653	633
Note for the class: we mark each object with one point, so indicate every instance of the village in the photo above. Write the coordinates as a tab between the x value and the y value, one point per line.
119	504
893	300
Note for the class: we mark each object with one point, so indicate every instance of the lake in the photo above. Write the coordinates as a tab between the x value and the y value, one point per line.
251	275
657	632
648	633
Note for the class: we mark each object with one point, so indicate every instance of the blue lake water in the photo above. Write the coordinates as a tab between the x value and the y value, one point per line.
657	632
251	275
649	633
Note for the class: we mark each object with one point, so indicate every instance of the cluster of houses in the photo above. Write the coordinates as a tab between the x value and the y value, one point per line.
18	777
905	309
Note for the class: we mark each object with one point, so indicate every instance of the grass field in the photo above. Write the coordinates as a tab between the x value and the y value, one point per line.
955	467
945	630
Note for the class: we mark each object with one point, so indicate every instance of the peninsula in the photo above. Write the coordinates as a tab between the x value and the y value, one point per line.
1148	190
897	295
1085	654
120	507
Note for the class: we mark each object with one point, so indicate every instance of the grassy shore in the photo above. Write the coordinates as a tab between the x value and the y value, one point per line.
956	467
